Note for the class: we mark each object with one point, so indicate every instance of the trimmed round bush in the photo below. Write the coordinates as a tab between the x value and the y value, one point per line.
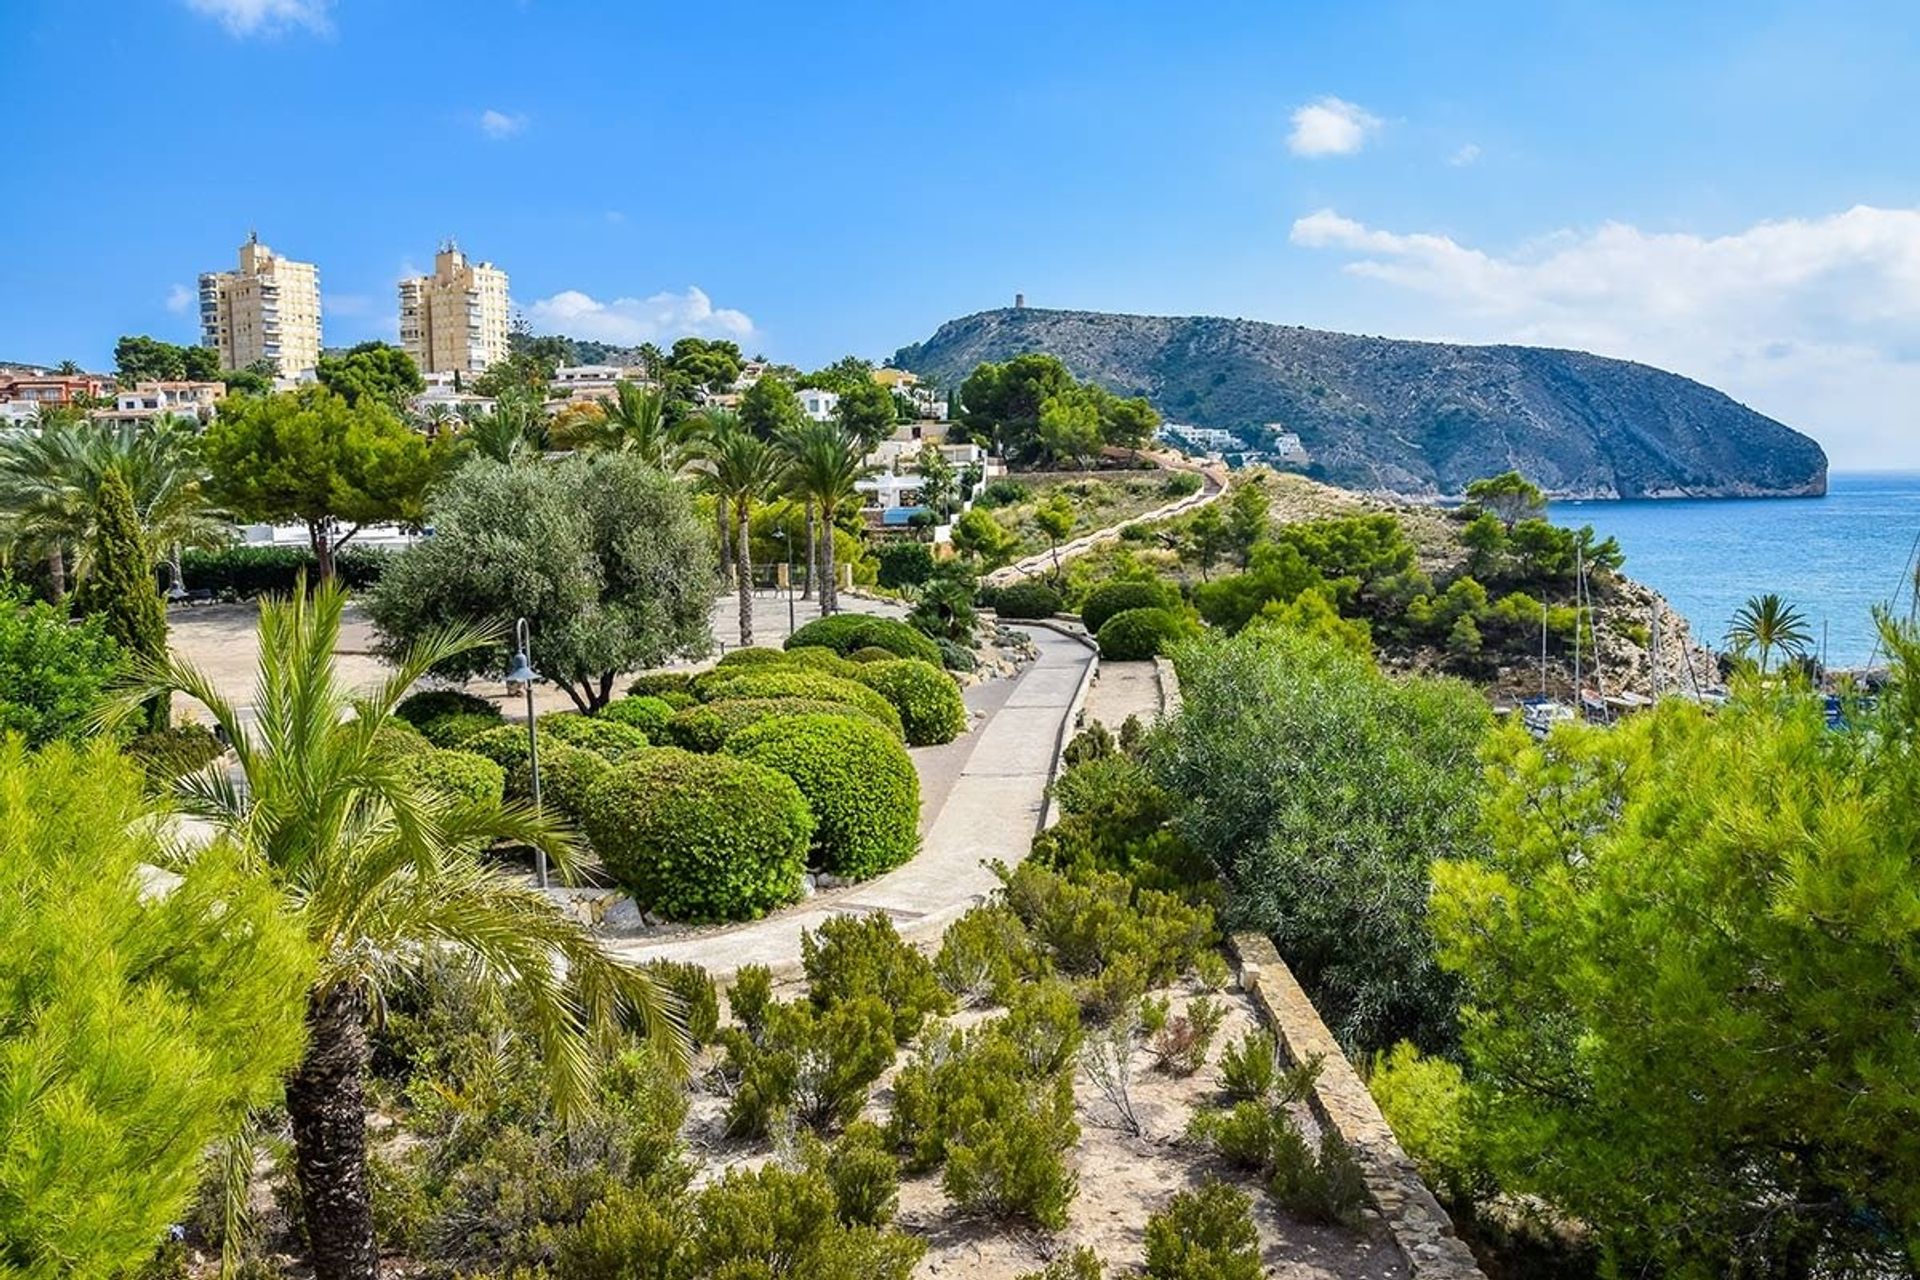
165	754
678	699
609	738
697	728
1103	602
453	730
700	838
931	709
1030	599
400	738
707	728
1136	634
427	705
566	774
872	653
752	656
646	713
459	774
815	657
506	746
789	682
845	632
660	683
858	781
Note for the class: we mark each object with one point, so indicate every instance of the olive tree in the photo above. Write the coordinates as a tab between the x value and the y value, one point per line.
602	554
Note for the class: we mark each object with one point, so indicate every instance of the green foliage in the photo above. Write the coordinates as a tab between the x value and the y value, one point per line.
1425	1101
858	781
1204	1234
1098	926
1180	1045
926	698
721	685
845	632
955	656
976	533
693	987
246	572
1764	624
603	554
1244	1135
945	607
120	589
903	563
1111	598
1029	599
372	370
700	837
987	955
644	712
1324	790
567	774
659	684
1689	968
1136	634
423	707
750	997
812	1063
1509	497
1320	1186
816	658
505	745
751	656
459	775
614	740
54	675
707	728
1003	493
865	1176
1276	573
851	957
141	1028
454	730
1081	1264
166	754
139	358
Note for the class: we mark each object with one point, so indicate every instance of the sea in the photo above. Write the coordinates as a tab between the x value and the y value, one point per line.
1832	557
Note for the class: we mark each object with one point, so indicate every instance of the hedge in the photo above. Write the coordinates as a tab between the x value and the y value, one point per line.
646	713
454	730
610	738
566	775
252	571
872	653
752	656
661	683
859	784
1026	600
1137	634
931	709
700	838
426	705
1117	597
903	564
461	775
819	658
506	746
798	683
166	754
845	632
707	728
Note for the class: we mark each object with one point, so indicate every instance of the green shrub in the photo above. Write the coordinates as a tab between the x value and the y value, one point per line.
427	705
700	837
1098	785
1003	493
1424	1100
166	754
845	632
693	987
678	699
929	702
811	1063
1180	1046
454	730
1205	1234
1030	599
986	954
658	684
1250	1069
752	656
749	998
707	727
775	1222
506	746
1007	1157
699	728
462	775
1100	927
851	957
1244	1135
816	658
865	1176
1326	1187
859	784
1042	1024
645	712
1109	599
253	571
614	740
781	682
565	778
1095	742
1138	634
872	653
904	564
397	737
1082	1264
955	656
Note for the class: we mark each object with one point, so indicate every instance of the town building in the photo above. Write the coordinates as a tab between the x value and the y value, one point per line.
819	404
1286	444
267	310
455	320
147	401
54	390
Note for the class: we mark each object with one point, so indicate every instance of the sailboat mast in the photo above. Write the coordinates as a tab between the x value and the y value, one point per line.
1578	564
1543	645
1653	651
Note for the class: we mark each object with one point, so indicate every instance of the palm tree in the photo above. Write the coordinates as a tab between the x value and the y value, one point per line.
43	511
162	465
386	875
739	469
634	421
822	463
505	433
1767	623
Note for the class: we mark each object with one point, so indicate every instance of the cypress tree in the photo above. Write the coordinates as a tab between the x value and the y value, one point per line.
120	588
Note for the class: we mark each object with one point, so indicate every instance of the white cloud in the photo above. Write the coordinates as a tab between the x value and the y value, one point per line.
1466	155
1815	321
500	125
340	305
266	17
180	299
1331	127
627	321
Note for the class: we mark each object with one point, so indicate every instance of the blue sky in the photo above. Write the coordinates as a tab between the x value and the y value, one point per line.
1730	190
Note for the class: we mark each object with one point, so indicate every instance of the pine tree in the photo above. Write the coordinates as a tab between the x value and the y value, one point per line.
120	586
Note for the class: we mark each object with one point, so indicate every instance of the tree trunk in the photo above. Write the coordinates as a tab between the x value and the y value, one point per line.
326	1101
720	528
813	554
57	573
829	583
321	532
745	566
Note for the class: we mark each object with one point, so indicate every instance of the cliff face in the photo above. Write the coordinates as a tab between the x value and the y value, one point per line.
1412	417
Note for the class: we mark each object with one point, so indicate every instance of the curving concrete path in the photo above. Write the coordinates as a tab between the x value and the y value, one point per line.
1213	483
992	806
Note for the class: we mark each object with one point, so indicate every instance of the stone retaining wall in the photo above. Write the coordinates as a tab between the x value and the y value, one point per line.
1340	1100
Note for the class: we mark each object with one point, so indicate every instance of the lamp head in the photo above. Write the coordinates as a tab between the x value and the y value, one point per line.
520	672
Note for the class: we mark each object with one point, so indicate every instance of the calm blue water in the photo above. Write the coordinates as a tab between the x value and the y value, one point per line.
1833	557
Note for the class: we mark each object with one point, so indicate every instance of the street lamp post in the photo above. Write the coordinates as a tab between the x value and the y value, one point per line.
786	544
520	676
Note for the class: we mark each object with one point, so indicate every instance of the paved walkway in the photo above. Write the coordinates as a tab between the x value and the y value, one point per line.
991	811
1213	483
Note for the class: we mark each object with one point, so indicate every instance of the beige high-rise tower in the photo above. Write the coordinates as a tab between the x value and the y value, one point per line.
267	310
455	320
